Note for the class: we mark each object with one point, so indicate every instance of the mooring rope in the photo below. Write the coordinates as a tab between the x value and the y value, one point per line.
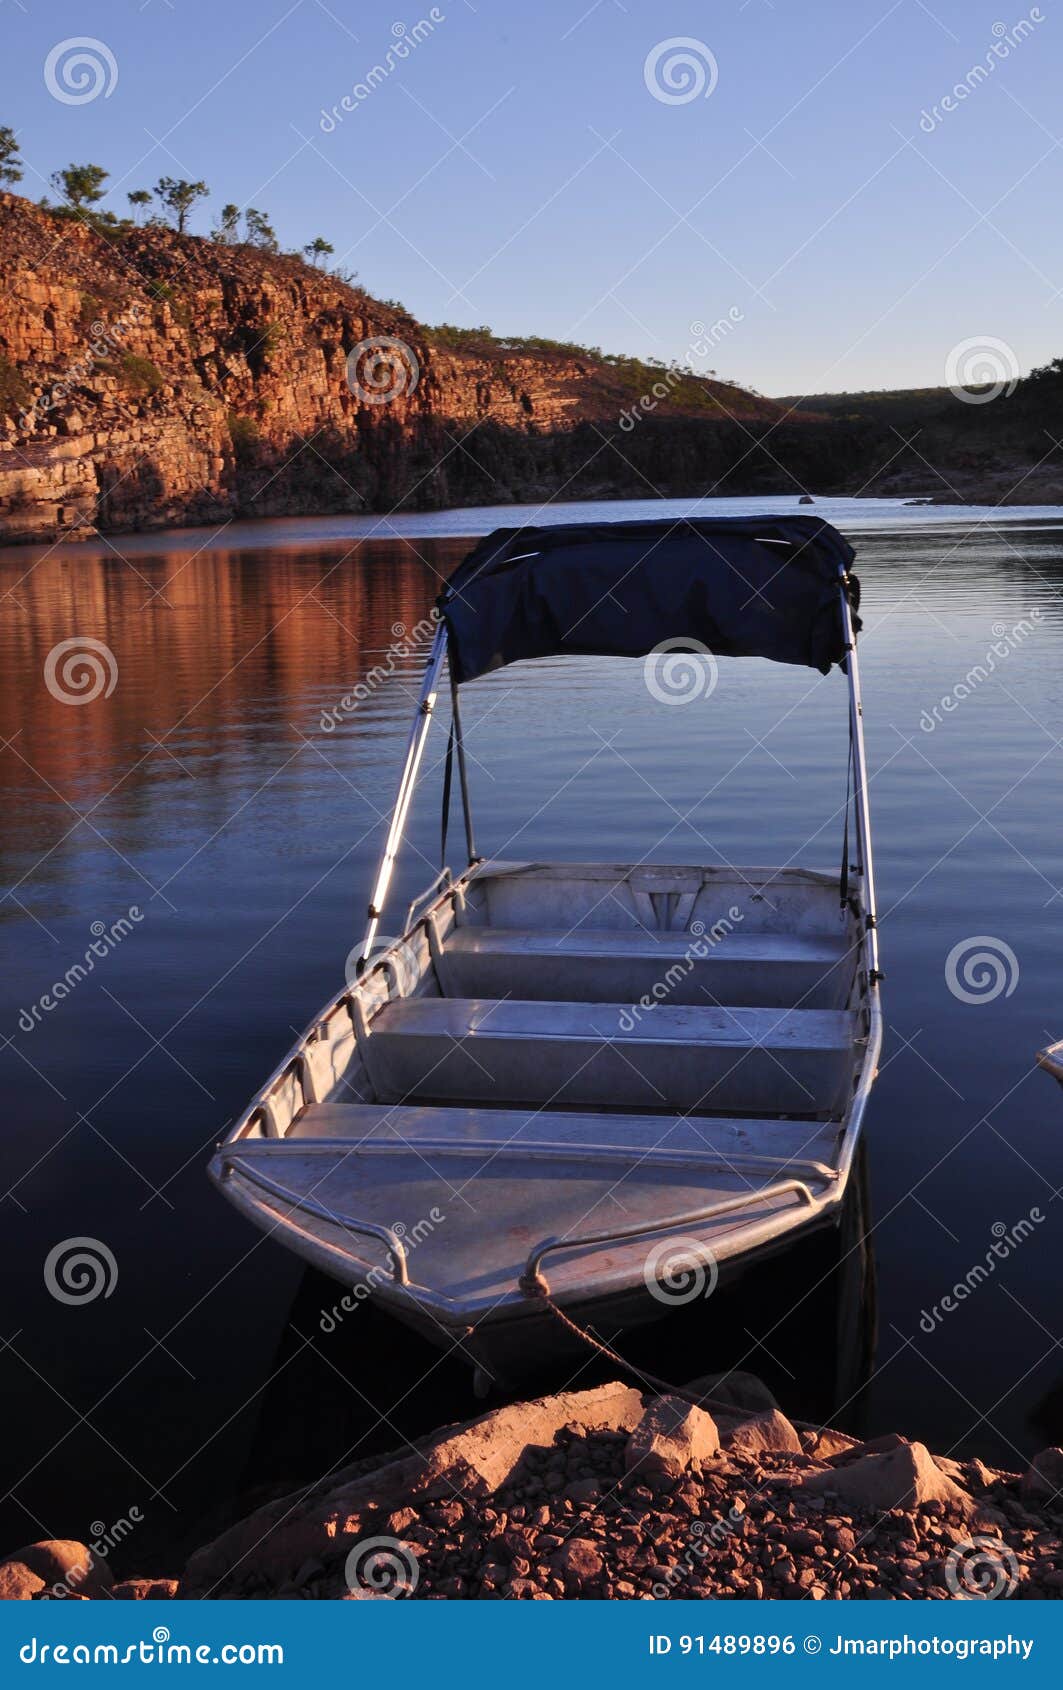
541	1295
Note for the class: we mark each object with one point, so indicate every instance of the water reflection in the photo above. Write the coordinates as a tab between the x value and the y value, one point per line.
204	791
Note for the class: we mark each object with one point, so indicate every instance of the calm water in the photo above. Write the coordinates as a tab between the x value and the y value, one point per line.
204	793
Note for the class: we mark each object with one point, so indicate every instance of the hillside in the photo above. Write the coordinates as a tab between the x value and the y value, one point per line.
982	448
149	378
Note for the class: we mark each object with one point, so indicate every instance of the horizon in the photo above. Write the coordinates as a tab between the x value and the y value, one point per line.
862	210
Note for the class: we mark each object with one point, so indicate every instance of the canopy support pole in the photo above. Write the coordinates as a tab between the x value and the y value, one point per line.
463	778
863	817
414	751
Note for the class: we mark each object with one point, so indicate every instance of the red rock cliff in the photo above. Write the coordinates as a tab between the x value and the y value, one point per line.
151	379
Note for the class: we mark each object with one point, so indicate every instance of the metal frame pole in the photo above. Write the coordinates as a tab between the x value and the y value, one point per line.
463	778
414	751
863	816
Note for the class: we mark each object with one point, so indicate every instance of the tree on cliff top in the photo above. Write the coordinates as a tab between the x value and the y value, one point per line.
179	196
259	230
81	185
227	230
318	249
138	199
10	163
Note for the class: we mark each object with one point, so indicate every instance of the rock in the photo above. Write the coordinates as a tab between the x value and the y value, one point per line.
873	1446
526	1590
734	1390
953	1469
823	1444
770	1431
17	1583
473	1459
61	1561
145	1590
583	1490
1043	1479
669	1437
904	1477
579	1559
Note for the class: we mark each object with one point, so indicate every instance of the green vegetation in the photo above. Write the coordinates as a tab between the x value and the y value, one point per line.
243	432
690	390
14	393
137	374
259	231
80	185
178	197
10	163
94	306
900	405
227	229
486	344
164	294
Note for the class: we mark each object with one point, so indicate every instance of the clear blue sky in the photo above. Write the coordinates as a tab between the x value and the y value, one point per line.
514	169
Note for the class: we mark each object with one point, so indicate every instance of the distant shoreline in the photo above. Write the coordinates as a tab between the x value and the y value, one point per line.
301	530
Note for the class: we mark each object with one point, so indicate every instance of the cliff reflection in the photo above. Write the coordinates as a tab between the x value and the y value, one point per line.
215	654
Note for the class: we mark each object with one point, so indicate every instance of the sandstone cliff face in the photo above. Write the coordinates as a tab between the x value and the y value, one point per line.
154	379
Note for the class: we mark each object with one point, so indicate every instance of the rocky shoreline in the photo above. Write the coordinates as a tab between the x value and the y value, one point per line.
612	1494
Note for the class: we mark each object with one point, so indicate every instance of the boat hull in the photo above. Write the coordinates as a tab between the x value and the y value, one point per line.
462	1158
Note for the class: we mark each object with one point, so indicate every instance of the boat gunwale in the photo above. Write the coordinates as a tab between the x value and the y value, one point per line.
486	1307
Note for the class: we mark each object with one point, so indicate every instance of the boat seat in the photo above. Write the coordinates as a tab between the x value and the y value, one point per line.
755	1061
813	970
430	1130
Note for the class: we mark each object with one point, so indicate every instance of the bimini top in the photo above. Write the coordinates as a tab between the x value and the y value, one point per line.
736	586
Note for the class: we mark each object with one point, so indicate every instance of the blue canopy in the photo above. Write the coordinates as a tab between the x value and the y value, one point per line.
736	586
